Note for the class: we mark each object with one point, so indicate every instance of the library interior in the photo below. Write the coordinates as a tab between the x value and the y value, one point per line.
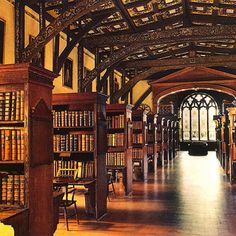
117	117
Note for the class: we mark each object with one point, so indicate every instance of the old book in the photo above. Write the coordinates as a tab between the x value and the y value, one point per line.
18	144
14	145
22	149
2	98
22	105
17	115
2	133
7	145
7	106
13	106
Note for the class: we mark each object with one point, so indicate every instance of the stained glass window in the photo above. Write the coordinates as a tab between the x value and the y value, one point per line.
197	114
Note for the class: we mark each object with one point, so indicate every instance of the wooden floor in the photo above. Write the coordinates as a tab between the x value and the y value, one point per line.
190	197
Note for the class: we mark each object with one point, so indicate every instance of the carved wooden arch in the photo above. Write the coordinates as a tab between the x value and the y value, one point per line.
216	87
74	13
67	50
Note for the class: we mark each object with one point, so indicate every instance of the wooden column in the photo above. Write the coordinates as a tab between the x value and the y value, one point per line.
19	29
97	62
80	67
56	52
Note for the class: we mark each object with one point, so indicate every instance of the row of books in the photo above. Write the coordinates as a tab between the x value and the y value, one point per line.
150	137
73	143
150	150
77	169
137	153
12	145
73	118
115	140
137	138
115	159
12	190
114	122
137	124
12	106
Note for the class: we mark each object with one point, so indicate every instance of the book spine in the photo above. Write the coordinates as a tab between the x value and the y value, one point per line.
8	145
22	105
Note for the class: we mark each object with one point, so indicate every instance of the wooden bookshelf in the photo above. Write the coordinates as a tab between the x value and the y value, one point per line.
232	144
80	142
26	149
119	155
152	142
139	152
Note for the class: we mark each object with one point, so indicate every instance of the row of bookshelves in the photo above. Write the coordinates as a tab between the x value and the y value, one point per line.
138	138
116	139
115	122
12	144
73	142
137	124
73	118
115	159
12	188
77	169
12	106
137	153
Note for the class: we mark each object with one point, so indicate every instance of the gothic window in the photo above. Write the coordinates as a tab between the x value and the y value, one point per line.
197	111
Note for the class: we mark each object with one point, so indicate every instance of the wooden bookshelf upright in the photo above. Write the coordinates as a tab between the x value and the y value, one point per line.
139	156
80	142
26	191
119	155
152	142
232	143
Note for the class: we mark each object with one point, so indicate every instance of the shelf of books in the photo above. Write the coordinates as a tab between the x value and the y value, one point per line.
159	140
119	135
26	193
139	152
80	142
152	142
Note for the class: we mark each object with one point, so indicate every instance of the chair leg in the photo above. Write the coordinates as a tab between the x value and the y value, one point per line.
76	213
66	218
113	188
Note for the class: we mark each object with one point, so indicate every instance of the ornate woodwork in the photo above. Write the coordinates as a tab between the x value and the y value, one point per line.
60	23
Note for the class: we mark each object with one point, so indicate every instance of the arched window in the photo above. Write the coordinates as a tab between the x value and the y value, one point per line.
197	111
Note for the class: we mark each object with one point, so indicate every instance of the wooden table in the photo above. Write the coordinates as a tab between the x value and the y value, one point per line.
18	218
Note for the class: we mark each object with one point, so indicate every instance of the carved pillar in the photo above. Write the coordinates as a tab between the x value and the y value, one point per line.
97	62
80	67
56	52
42	25
19	29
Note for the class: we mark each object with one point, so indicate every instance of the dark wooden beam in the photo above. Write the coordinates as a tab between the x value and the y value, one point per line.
114	59
19	30
80	67
56	52
73	13
179	63
208	61
142	98
200	33
125	14
65	53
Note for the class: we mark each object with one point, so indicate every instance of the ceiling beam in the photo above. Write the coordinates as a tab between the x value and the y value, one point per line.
178	63
208	61
142	98
125	14
70	15
200	33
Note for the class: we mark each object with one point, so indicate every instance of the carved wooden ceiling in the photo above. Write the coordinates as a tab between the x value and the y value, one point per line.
124	17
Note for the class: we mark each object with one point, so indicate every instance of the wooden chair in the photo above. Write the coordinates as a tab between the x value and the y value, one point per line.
69	175
110	183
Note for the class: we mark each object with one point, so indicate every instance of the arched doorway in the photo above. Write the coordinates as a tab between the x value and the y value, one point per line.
196	113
